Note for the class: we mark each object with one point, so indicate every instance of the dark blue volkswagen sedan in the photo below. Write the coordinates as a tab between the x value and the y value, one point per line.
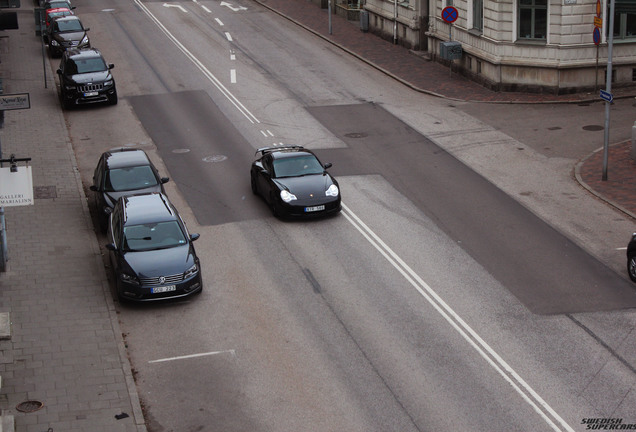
150	250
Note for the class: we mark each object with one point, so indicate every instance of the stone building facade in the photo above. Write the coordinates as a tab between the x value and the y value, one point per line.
519	45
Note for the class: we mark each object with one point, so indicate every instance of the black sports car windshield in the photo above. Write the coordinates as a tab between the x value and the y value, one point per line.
161	235
297	166
130	178
96	64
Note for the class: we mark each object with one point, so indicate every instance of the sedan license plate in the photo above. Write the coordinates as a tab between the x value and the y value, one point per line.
89	94
163	289
314	208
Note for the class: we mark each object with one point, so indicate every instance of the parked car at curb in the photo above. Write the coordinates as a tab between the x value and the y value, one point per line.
631	258
66	32
51	14
150	250
293	182
121	172
85	78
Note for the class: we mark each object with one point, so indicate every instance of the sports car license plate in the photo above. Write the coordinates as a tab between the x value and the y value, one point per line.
89	94
314	208
163	289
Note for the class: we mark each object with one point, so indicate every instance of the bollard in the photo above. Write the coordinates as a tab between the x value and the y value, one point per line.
634	141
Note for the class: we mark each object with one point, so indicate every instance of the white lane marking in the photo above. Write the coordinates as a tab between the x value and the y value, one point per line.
233	76
235	9
175	6
193	356
622	248
205	8
209	75
219	21
228	36
498	363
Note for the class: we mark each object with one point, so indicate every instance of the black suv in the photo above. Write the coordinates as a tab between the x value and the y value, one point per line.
85	78
150	250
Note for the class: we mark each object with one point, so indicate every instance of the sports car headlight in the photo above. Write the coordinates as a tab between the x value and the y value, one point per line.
332	191
54	42
287	196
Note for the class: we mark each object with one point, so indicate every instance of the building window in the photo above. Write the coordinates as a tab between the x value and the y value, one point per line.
478	15
624	23
533	19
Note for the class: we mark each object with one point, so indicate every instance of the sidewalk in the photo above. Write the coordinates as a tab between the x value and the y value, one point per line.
425	76
65	367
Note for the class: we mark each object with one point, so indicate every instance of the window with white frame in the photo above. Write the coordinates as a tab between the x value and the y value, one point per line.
533	19
624	21
478	15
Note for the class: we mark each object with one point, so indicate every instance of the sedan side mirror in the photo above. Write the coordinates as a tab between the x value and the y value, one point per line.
93	188
165	179
110	66
194	237
328	165
111	247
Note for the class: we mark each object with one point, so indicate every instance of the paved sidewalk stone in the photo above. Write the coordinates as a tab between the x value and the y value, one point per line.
65	350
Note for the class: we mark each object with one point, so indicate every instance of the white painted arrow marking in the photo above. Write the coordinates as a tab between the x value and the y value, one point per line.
175	6
235	9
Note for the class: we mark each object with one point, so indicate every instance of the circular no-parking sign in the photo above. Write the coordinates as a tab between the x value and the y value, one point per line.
449	14
596	35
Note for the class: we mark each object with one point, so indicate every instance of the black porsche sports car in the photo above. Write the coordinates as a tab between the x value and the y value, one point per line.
293	182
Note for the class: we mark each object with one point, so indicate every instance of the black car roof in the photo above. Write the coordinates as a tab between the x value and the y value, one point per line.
147	208
284	151
120	158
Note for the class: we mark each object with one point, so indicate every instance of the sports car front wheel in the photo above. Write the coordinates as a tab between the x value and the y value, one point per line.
631	266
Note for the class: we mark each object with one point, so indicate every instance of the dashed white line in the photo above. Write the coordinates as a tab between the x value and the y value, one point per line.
228	36
233	76
219	21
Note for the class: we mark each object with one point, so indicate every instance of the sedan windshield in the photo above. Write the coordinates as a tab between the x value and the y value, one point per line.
69	26
129	178
161	235
297	166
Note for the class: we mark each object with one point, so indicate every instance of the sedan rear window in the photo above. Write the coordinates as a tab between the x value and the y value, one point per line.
161	235
130	178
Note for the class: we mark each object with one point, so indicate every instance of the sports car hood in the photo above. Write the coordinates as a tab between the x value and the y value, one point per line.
111	197
303	186
161	262
93	77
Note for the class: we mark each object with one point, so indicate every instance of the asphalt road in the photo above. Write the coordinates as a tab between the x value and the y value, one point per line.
458	290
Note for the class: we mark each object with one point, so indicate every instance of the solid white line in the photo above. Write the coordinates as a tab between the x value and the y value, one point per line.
213	79
193	356
498	363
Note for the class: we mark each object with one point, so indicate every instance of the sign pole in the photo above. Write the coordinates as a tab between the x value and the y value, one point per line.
608	89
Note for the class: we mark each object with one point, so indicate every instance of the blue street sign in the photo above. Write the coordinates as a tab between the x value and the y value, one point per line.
449	14
607	96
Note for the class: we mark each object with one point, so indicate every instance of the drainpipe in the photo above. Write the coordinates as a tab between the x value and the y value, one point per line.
395	17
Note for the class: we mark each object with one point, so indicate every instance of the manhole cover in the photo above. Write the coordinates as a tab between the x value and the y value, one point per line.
356	135
215	158
593	127
29	406
180	150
